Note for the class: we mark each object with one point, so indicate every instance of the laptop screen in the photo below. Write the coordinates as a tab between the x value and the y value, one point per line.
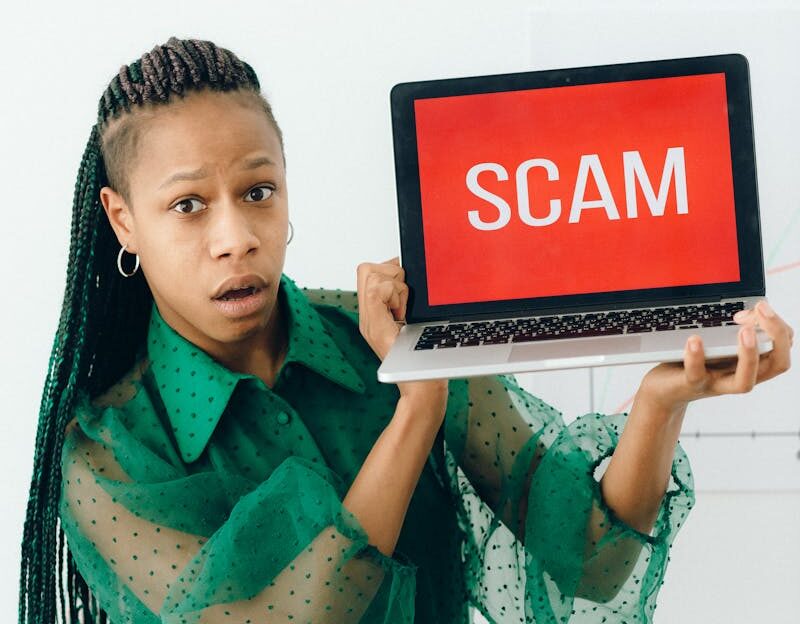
577	189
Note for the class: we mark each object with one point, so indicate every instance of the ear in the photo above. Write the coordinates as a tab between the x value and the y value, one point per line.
120	217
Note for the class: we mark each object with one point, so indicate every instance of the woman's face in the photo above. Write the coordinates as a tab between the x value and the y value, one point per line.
208	188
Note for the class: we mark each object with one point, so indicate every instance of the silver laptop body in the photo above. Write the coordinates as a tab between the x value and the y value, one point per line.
404	363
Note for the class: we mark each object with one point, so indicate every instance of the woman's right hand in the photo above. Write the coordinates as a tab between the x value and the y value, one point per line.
382	299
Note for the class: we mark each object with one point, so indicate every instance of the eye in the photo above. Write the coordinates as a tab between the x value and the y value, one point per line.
256	194
183	202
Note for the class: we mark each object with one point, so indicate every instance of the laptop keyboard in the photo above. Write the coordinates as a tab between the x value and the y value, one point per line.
530	329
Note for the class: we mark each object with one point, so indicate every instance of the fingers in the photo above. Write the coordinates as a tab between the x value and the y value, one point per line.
401	313
386	291
382	290
389	268
384	268
711	381
747	367
382	299
778	360
730	375
694	364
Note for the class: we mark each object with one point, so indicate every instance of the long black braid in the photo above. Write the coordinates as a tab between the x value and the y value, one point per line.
104	316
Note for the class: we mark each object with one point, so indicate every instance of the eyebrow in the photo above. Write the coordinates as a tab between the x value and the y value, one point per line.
198	174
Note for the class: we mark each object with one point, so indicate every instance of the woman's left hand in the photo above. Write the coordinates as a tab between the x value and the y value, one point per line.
672	385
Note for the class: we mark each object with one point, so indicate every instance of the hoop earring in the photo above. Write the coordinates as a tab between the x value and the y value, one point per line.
291	235
119	262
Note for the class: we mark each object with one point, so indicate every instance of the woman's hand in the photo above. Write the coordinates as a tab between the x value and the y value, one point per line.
382	299
672	385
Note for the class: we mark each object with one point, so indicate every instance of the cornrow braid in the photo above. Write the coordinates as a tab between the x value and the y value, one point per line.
104	316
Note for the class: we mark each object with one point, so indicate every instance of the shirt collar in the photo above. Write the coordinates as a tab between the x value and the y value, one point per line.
195	388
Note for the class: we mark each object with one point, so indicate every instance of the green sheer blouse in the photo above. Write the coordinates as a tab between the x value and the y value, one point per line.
193	493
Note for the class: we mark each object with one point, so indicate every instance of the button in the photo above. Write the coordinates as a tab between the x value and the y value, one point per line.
284	375
283	418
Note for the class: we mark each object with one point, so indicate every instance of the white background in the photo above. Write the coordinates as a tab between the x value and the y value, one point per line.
327	68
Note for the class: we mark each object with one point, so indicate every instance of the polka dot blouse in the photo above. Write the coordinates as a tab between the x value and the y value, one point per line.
193	493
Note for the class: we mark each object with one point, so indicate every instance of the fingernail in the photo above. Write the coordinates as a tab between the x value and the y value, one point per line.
694	345
748	337
740	315
766	309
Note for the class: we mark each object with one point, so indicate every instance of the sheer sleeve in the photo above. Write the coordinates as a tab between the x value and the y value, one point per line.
216	547
541	544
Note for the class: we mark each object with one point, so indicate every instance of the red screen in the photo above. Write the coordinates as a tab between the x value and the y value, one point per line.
577	189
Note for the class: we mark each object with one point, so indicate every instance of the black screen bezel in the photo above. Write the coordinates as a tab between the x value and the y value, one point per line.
740	125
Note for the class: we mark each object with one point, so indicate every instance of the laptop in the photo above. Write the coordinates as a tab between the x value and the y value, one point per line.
579	217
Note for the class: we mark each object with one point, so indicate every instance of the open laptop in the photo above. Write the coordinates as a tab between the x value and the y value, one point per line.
576	217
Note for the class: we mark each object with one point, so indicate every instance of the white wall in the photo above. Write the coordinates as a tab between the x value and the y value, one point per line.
328	68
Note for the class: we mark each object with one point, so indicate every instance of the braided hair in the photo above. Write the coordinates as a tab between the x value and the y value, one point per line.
103	319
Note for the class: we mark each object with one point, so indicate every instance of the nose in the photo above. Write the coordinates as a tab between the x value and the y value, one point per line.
232	233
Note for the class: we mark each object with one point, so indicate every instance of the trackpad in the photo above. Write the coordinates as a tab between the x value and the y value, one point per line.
550	349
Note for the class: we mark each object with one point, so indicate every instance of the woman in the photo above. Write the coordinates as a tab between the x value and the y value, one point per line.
215	445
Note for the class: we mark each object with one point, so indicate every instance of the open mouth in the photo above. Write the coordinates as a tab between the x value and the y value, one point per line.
238	293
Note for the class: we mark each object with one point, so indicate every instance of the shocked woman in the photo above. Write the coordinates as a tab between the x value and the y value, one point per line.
213	444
